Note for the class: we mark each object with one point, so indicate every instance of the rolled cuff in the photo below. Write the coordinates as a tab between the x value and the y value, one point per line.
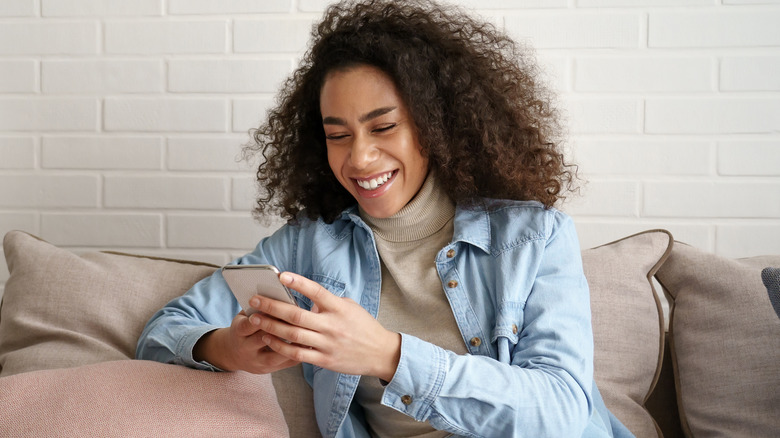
187	343
418	378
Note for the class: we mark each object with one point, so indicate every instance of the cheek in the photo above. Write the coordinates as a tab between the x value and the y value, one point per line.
418	161
415	155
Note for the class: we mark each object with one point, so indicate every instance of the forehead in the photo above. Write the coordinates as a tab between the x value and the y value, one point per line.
361	86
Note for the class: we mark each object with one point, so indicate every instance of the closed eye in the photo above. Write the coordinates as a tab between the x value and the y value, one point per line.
336	136
385	128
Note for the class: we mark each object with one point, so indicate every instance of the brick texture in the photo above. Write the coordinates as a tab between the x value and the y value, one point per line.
748	27
17	8
228	6
122	122
227	75
100	8
18	76
102	229
17	152
78	76
157	37
39	37
39	114
165	114
101	152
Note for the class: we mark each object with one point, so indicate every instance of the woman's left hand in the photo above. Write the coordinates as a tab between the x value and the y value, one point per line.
337	334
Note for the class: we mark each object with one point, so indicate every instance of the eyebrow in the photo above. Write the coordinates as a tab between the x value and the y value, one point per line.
364	118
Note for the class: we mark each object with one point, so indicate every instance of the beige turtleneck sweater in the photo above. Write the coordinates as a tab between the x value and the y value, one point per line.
412	299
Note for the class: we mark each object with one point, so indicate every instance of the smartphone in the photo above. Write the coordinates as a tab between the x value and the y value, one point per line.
246	281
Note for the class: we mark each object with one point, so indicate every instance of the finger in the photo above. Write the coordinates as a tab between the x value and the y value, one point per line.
292	333
282	311
268	361
272	359
244	325
293	352
320	296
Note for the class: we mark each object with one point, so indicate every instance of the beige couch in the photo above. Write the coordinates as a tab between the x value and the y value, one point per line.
69	324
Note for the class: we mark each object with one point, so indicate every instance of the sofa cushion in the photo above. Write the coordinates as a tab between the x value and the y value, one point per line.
725	340
147	399
628	326
61	310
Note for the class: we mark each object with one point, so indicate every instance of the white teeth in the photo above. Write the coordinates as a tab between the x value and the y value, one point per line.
375	182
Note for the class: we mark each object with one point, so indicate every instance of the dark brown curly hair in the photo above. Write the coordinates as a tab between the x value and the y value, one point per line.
485	122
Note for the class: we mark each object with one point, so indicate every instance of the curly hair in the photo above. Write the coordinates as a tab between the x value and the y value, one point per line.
485	122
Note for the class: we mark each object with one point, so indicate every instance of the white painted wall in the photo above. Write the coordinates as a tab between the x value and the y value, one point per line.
121	121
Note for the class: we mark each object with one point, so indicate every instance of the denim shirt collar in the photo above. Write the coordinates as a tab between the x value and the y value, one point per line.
472	225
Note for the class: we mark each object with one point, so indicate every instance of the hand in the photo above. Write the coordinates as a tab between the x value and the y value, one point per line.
240	347
337	334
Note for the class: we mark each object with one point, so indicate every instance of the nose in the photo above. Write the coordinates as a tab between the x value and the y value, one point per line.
364	152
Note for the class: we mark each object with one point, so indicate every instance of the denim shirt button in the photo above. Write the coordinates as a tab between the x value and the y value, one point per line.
406	399
452	284
475	342
450	253
514	329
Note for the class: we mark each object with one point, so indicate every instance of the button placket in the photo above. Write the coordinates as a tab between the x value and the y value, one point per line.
473	343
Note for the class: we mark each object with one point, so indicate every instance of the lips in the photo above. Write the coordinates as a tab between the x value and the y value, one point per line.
375	186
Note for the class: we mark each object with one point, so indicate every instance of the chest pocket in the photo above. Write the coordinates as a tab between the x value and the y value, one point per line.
335	287
509	325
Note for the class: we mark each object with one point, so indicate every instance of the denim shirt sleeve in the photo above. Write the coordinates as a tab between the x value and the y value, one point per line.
544	390
172	332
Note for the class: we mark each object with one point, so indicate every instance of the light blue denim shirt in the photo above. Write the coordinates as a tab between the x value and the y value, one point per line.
513	277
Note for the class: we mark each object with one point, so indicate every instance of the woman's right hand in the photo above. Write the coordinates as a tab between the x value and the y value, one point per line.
240	347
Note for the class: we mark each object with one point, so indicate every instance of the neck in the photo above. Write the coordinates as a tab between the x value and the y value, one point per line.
424	215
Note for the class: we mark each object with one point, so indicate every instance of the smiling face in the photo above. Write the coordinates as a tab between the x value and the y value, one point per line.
371	140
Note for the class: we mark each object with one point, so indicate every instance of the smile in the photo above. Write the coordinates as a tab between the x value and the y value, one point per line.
374	183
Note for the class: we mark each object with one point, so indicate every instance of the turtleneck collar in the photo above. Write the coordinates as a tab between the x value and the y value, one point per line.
428	212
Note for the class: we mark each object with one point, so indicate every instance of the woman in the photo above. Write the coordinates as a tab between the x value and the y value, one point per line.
416	160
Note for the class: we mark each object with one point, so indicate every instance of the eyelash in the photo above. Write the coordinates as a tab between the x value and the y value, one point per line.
379	130
385	128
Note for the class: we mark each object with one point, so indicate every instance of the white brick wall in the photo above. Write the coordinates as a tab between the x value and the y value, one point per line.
36	114
38	37
227	75
165	36
121	122
102	76
165	114
19	76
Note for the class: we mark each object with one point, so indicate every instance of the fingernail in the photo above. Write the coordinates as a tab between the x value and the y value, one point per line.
285	277
254	319
255	302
